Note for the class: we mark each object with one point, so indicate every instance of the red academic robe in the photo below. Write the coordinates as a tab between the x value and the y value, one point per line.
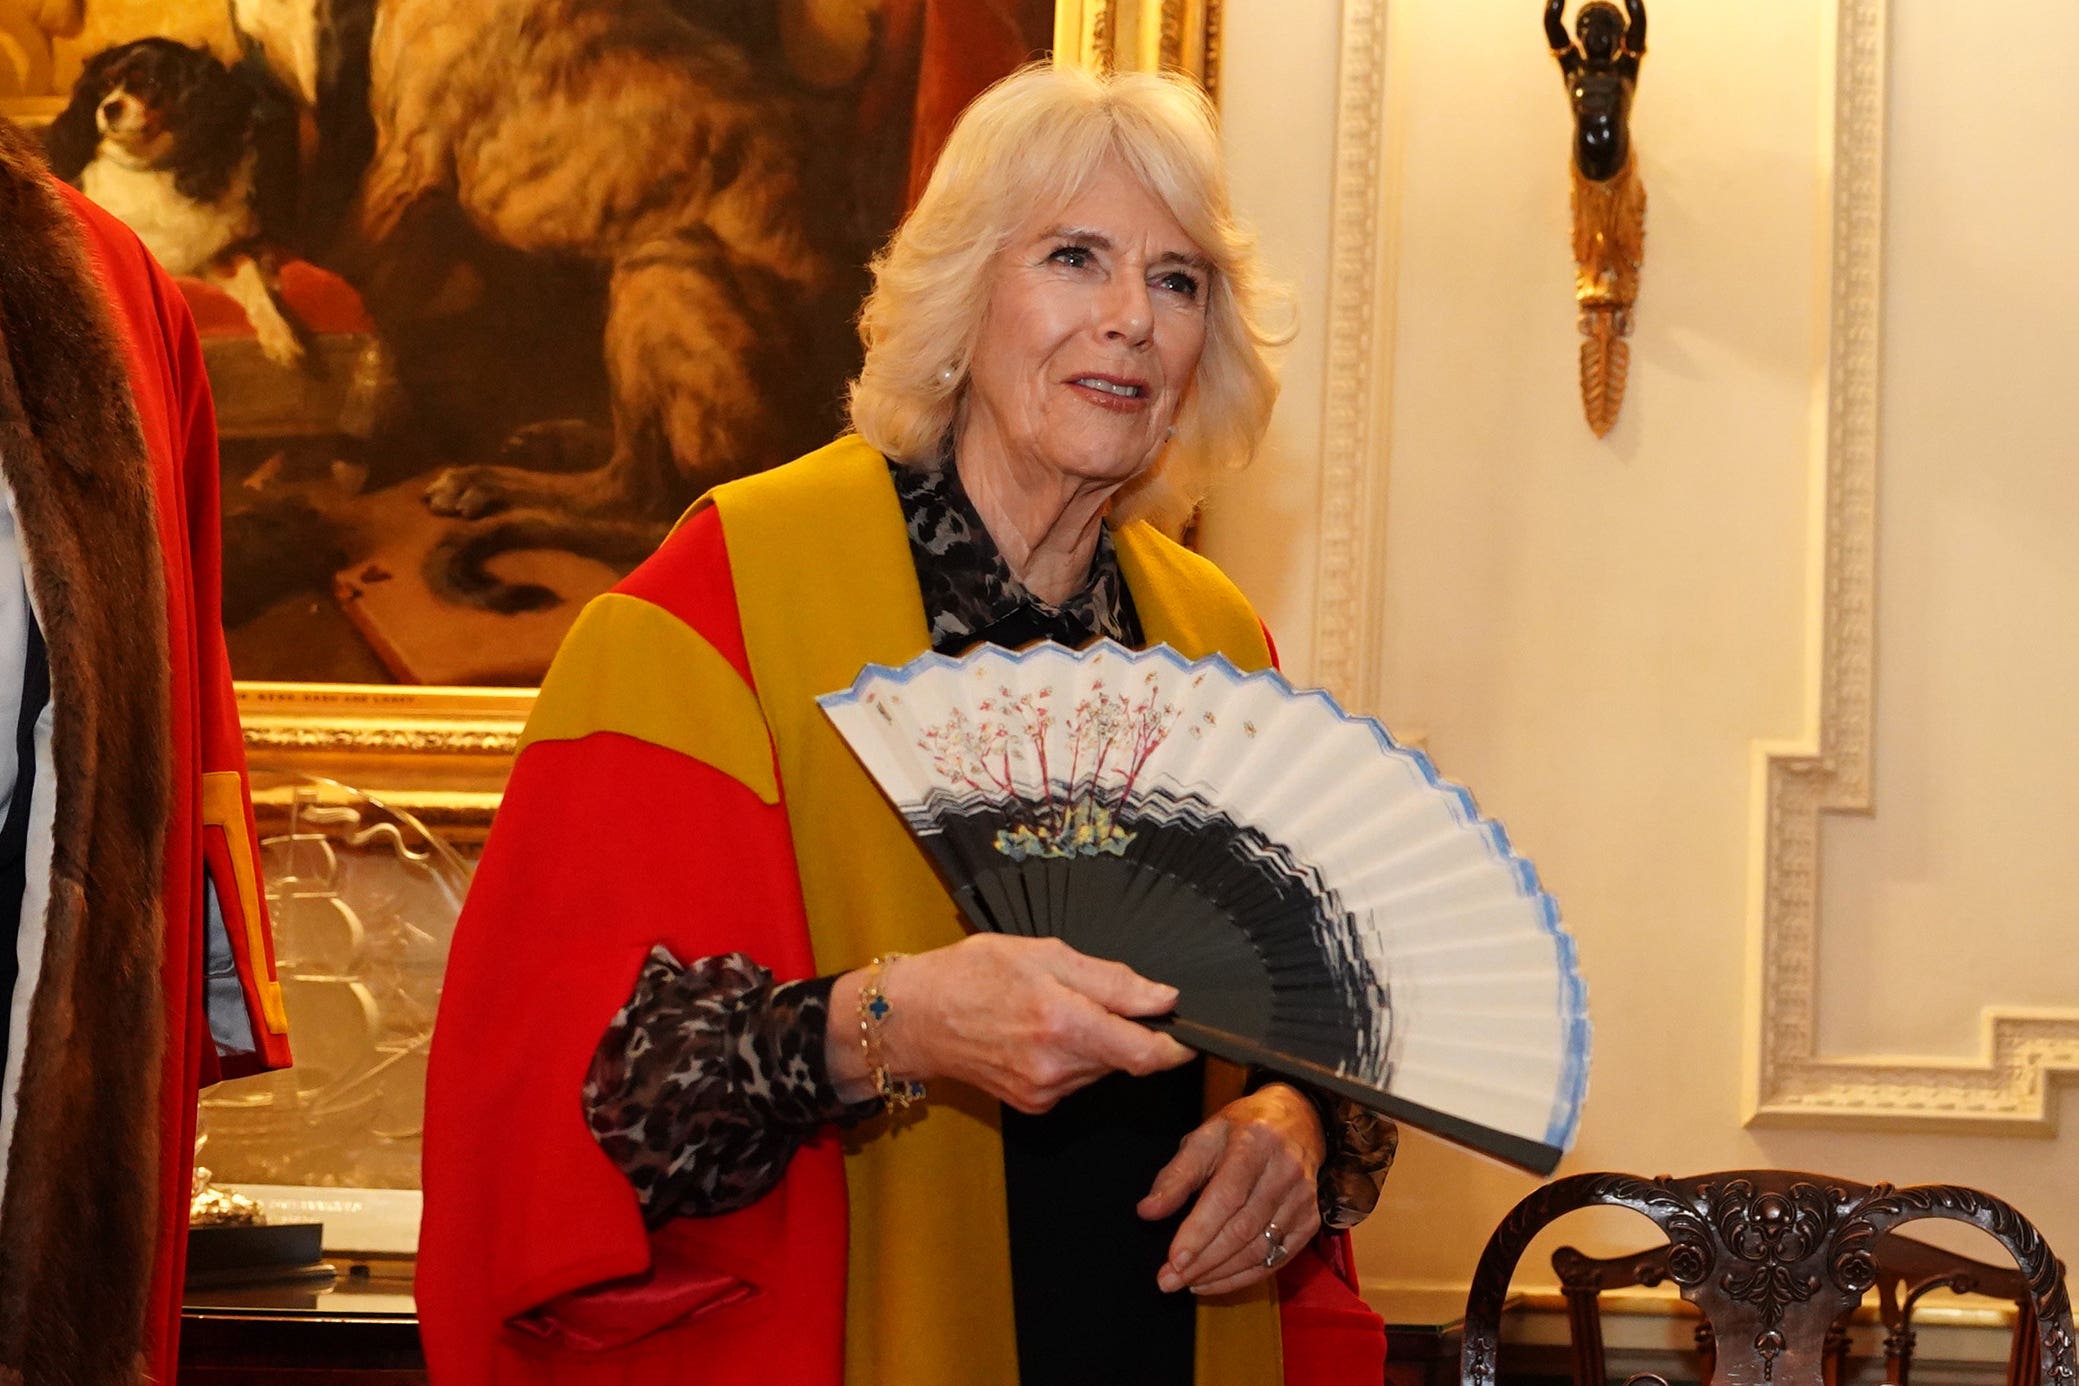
209	833
534	1265
108	443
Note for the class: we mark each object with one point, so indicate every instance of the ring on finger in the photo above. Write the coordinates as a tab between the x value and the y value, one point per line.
1275	1250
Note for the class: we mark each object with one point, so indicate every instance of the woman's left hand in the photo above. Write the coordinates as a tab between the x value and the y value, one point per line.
1255	1161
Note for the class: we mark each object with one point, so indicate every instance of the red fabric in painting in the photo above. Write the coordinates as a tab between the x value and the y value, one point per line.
316	298
967	45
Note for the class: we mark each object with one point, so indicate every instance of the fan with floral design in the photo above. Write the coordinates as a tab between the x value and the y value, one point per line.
1327	907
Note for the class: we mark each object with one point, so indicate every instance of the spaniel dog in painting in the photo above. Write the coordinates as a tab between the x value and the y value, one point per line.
163	136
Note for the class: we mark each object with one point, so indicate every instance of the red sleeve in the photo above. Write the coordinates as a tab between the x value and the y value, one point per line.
229	834
1330	1335
534	1263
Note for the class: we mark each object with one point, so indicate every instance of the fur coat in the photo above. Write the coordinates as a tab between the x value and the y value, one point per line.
108	446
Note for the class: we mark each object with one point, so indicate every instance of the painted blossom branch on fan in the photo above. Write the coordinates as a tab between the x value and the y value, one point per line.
1076	814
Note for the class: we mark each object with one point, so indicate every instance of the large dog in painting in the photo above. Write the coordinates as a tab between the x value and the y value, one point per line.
617	132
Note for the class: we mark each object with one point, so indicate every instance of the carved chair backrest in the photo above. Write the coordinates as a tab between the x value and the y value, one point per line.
1907	1270
1773	1258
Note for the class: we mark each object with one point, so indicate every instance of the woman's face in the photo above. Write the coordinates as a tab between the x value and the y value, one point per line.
1096	317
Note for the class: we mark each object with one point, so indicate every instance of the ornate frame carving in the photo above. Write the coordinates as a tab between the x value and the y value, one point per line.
441	753
444	753
1350	576
2007	1087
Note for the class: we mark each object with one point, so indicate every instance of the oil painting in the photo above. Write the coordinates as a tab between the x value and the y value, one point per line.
490	290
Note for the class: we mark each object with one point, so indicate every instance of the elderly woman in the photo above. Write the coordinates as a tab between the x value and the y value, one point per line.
721	1089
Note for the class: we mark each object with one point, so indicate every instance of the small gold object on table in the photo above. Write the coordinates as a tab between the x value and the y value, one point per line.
231	1242
210	1206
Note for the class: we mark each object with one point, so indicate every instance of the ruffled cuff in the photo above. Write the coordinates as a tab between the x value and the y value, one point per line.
709	1079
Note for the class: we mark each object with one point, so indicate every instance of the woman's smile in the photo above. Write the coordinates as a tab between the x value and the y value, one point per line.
1112	392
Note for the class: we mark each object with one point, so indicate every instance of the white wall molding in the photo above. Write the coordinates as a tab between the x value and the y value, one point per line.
2007	1087
1349	596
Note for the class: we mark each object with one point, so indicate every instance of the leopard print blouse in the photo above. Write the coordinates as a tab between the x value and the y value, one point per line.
711	1076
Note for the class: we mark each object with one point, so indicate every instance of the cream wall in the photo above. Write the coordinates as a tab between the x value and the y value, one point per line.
1596	635
1278	61
1979	520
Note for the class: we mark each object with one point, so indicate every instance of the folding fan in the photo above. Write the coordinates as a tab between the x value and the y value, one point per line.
1325	905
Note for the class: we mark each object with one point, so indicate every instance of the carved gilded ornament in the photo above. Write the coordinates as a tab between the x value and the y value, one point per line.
1609	248
1601	68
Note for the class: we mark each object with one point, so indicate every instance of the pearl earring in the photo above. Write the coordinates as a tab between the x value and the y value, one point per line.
948	375
1170	432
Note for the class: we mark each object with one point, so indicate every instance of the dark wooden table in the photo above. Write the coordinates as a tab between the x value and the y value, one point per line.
356	1329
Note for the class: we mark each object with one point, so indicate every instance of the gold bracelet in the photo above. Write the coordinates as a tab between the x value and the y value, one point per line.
874	1009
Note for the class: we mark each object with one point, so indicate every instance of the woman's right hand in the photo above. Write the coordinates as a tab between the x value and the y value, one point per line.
1026	1020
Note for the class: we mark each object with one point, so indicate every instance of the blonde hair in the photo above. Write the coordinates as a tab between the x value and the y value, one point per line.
1026	146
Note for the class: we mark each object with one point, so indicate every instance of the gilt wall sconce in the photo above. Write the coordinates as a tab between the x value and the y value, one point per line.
1601	68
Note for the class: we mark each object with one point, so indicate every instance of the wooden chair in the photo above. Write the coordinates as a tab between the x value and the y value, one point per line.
1906	1270
1775	1260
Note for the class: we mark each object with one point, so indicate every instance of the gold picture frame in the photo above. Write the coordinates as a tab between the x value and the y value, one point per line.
1142	36
443	753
